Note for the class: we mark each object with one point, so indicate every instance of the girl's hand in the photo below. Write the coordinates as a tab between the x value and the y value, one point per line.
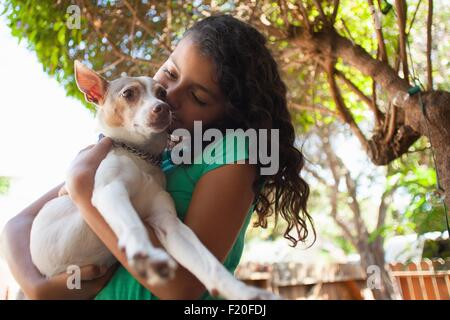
80	179
92	280
63	191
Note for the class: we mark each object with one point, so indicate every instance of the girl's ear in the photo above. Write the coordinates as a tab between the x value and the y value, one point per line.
90	83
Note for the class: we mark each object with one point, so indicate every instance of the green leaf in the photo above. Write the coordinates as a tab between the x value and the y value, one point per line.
4	185
62	36
386	7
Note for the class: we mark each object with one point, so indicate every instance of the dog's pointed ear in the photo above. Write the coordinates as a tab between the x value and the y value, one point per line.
90	83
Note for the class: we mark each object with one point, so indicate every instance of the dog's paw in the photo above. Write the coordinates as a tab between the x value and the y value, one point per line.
155	266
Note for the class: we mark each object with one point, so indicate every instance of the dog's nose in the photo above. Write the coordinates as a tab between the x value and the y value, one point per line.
160	108
159	115
159	112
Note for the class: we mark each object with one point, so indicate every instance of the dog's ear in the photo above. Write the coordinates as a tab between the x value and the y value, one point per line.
90	83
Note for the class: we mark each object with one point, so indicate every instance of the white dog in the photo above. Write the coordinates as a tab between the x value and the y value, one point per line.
129	189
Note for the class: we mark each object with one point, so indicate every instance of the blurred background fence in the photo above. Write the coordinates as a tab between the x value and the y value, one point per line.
424	280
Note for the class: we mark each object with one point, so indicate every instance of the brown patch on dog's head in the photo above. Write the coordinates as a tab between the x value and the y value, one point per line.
113	117
123	101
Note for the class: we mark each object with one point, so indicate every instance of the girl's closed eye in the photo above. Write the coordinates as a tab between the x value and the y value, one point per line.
169	74
198	101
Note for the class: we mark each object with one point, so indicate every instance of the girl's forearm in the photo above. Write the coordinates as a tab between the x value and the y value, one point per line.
16	245
18	256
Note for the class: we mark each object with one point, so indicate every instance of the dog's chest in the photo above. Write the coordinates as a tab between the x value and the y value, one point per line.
137	175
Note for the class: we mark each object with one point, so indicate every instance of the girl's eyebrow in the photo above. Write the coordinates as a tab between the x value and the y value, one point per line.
194	84
173	61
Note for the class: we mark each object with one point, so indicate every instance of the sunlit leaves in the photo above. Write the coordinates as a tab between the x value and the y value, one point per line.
416	177
4	184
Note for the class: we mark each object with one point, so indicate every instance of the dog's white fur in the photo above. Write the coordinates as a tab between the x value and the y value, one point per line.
128	191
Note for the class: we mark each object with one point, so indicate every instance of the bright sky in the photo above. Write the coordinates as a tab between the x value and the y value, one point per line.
41	130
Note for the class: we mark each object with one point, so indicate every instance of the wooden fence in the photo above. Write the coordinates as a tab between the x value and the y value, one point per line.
299	281
426	280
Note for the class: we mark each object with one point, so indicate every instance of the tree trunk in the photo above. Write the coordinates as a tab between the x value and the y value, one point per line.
373	255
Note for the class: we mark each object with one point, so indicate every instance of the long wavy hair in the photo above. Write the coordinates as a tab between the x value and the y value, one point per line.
256	98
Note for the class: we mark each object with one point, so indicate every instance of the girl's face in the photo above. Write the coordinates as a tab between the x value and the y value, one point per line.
192	89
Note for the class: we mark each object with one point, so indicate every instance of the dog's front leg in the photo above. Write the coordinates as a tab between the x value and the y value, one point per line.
182	244
113	202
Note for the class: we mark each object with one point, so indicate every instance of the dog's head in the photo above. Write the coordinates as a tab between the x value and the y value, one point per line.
131	106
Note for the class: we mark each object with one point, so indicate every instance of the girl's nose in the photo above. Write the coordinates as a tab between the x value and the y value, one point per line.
172	98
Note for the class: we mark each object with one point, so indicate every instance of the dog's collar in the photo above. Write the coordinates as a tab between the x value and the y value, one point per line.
147	157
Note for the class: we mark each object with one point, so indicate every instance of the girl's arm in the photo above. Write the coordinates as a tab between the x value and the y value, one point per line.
16	246
15	241
216	220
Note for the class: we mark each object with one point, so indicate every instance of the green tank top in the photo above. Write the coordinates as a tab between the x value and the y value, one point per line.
181	181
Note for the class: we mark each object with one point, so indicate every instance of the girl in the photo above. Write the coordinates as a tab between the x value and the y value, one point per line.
222	74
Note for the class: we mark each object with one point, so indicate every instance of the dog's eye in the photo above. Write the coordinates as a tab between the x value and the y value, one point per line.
128	94
161	93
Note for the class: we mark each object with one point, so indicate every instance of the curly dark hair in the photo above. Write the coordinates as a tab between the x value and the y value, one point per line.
256	98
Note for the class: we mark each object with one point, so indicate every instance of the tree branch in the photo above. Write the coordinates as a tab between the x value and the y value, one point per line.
400	6
335	11
333	165
316	176
110	66
414	17
283	10
342	225
317	108
348	31
361	229
382	209
379	32
343	110
354	204
321	12
391	124
397	59
305	16
169	24
324	46
131	34
377	113
429	43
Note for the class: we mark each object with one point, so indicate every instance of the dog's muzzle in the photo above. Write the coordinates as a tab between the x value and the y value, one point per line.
159	116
